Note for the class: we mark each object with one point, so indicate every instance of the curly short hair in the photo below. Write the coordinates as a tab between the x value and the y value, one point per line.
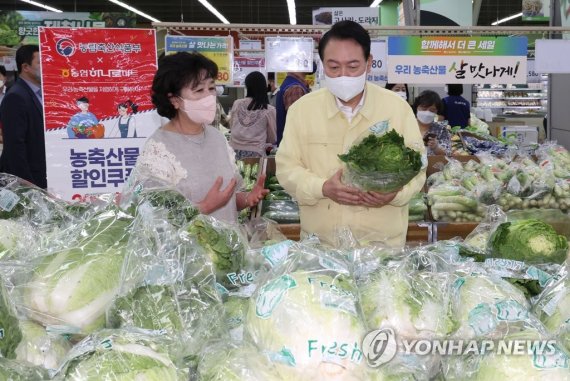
428	98
174	73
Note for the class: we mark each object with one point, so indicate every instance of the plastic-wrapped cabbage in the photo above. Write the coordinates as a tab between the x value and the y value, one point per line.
414	304
304	316
122	355
23	200
488	306
166	203
553	307
10	333
381	163
224	245
11	370
543	363
73	287
11	233
235	315
529	241
40	348
228	362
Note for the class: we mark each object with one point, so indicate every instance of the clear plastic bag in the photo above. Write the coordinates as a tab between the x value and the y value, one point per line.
124	354
306	304
381	163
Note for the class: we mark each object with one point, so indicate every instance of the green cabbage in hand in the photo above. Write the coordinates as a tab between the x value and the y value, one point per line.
381	163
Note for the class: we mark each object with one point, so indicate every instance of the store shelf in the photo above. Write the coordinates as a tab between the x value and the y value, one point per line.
511	98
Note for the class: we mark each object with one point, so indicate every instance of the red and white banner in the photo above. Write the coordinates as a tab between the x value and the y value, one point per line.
97	108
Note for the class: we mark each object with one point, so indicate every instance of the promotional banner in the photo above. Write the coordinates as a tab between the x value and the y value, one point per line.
535	10
289	54
21	27
440	60
245	65
97	108
361	15
378	73
218	49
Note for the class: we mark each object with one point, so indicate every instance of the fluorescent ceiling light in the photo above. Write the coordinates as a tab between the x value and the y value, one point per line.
375	3
128	7
42	6
507	19
211	8
292	12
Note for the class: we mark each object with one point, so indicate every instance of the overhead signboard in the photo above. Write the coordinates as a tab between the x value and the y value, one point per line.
423	60
361	15
218	49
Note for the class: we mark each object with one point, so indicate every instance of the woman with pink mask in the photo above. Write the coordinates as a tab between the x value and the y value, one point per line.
187	153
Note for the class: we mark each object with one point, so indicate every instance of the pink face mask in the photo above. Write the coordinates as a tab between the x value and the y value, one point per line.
201	110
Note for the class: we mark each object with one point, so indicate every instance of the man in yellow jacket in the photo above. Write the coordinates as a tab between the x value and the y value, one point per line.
326	123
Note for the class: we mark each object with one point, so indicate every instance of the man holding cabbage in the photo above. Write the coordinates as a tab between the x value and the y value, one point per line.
352	154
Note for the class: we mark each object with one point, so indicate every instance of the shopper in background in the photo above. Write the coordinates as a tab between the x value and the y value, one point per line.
435	134
272	89
252	125
3	79
399	88
21	113
221	120
188	153
456	109
294	86
326	123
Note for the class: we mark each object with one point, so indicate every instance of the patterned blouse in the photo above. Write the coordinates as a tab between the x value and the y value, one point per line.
442	135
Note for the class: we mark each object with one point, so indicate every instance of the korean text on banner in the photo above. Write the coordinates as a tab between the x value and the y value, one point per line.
481	60
378	72
245	65
218	49
97	108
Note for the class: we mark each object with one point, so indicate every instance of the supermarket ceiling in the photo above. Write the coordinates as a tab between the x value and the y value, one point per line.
242	11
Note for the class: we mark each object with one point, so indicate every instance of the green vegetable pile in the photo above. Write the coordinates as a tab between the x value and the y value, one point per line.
381	163
529	241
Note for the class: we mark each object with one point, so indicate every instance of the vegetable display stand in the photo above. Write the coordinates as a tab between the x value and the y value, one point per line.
437	162
419	233
291	231
449	230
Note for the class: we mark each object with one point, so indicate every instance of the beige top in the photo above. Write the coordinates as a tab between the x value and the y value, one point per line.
251	130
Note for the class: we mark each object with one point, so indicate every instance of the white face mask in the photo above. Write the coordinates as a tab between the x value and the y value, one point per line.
1	83
346	88
425	116
201	110
402	94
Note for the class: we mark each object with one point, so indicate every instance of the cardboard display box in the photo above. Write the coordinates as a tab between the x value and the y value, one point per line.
449	230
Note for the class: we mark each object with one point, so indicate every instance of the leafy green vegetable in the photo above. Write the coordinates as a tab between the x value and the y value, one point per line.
75	286
227	362
382	163
529	241
149	307
414	304
40	348
10	333
11	370
309	323
179	210
122	355
222	243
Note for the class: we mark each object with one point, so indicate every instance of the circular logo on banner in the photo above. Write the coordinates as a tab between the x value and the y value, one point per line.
65	47
379	347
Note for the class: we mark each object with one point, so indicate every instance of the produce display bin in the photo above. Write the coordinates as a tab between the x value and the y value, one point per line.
448	230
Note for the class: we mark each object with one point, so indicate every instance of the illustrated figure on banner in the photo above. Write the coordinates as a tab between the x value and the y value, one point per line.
126	125
84	124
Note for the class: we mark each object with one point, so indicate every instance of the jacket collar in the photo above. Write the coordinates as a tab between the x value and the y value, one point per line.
366	110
